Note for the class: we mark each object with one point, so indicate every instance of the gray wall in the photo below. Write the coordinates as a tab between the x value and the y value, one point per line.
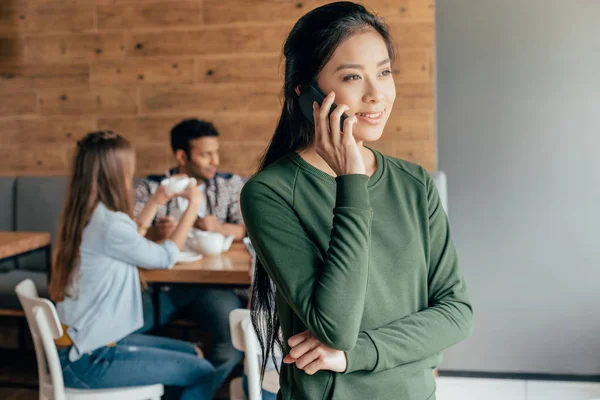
519	137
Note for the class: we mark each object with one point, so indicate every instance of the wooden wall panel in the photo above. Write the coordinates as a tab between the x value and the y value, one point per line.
150	15
247	68
238	127
412	35
46	160
57	48
14	77
12	48
12	16
231	11
29	131
403	9
83	101
131	71
413	66
18	103
209	40
209	98
140	66
58	16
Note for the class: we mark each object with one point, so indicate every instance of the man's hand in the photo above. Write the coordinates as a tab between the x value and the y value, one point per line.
210	223
311	356
164	228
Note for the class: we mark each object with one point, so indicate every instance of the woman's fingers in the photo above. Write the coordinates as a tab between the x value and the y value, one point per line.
299	338
348	129
340	151
316	116
334	123
304	347
314	366
308	357
289	359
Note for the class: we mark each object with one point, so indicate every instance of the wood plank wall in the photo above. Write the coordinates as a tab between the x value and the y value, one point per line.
139	66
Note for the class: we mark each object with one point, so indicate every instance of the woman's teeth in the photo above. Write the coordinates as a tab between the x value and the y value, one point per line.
371	117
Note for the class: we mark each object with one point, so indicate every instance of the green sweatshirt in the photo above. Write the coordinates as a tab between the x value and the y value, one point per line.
368	266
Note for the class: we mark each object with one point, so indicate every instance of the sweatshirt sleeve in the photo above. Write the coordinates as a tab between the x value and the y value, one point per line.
326	290
446	321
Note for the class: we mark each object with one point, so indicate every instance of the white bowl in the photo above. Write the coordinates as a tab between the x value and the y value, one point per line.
176	184
209	243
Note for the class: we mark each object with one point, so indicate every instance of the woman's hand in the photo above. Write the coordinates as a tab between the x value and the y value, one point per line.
338	149
161	196
311	356
192	193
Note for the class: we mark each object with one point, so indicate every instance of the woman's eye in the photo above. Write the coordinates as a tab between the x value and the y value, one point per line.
351	77
387	72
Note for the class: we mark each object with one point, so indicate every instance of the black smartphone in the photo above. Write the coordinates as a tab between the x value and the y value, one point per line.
312	93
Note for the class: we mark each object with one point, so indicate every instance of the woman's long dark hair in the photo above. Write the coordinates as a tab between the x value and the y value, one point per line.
308	48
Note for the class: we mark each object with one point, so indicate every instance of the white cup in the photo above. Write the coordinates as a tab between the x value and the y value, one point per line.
176	184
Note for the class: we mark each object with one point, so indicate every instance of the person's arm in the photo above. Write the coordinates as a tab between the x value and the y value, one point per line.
446	321
143	195
210	223
239	231
123	242
326	290
145	217
235	221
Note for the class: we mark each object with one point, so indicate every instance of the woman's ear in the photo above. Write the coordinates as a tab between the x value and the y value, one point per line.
298	90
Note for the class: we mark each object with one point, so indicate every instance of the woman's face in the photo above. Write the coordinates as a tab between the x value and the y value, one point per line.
360	74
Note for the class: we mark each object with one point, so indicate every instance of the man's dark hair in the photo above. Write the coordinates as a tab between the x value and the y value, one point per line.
189	129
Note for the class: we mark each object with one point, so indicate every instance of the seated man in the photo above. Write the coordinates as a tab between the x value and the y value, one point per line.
195	146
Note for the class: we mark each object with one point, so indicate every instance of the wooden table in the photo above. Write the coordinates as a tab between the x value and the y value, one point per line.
230	268
16	244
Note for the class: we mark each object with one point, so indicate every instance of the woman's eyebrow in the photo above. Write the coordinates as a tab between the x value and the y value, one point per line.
360	66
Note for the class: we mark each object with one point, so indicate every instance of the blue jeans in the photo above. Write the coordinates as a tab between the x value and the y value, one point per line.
209	307
141	360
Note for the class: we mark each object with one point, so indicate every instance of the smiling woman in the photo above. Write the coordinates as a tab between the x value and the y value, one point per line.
355	263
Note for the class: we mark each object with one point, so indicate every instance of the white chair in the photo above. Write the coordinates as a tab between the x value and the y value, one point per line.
45	327
441	183
243	338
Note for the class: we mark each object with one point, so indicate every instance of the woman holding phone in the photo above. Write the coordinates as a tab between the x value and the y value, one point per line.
355	264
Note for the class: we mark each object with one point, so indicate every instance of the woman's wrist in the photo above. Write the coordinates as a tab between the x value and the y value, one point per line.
195	202
153	201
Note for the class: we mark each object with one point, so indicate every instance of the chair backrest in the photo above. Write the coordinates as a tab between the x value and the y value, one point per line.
441	183
45	327
243	338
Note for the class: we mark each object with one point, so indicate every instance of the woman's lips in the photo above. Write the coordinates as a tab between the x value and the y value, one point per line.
372	117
